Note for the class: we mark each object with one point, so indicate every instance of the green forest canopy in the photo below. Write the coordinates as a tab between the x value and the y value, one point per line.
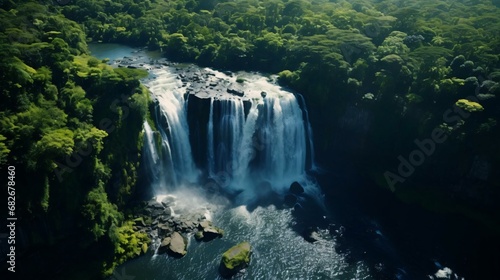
407	61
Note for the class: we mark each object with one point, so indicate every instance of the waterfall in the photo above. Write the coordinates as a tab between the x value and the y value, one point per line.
266	143
170	118
157	159
260	136
310	138
225	133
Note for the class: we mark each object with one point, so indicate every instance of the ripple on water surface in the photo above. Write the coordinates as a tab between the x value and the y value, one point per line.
278	252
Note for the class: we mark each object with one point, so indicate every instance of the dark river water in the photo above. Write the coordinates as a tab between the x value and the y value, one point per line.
364	234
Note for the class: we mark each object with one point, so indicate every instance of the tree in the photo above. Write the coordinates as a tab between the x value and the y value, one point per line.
55	144
4	151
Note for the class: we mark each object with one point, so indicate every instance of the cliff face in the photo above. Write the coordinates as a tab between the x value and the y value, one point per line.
417	153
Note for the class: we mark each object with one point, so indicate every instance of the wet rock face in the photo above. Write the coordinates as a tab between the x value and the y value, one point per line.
296	188
290	200
165	243
235	92
168	201
168	223
206	231
294	193
177	246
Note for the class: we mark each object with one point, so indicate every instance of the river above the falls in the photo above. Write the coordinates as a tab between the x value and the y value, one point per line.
274	232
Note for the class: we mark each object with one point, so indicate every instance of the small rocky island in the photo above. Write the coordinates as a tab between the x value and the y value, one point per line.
168	226
235	259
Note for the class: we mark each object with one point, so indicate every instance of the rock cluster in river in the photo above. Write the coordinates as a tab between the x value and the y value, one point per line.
204	83
198	81
170	229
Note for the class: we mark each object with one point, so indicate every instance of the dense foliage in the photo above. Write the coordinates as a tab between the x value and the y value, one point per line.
405	63
71	127
397	69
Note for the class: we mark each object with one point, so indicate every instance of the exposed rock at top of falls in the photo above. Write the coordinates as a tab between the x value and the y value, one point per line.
202	82
207	120
235	92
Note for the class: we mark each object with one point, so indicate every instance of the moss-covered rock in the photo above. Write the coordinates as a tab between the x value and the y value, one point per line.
235	259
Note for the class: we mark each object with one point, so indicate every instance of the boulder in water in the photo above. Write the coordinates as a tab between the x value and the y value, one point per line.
212	232
177	246
164	230
153	204
235	259
311	235
155	213
168	201
164	245
167	212
207	232
298	208
296	188
290	200
204	224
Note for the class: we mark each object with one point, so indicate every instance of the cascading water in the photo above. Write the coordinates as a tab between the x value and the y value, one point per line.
176	162
157	159
266	144
258	136
312	162
264	139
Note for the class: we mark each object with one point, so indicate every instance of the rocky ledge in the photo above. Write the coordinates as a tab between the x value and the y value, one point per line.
206	231
168	225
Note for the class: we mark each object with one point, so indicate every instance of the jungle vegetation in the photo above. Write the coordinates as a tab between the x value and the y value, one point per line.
405	62
71	126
